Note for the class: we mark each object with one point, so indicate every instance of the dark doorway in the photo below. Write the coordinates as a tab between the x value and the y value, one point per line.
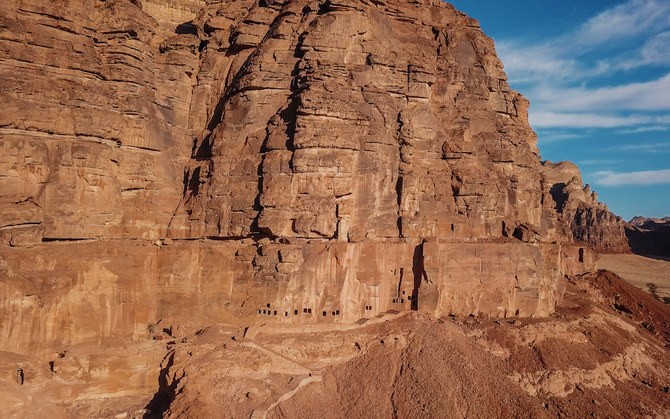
419	274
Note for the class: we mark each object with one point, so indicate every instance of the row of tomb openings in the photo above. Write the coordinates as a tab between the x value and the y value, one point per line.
266	311
269	312
401	300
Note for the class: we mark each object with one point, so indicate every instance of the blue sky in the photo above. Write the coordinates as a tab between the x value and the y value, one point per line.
597	74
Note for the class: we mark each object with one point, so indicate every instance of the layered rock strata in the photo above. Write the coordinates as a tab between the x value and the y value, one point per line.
298	161
581	216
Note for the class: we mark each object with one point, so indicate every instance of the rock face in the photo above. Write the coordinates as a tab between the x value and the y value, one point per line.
594	358
169	165
95	129
581	217
187	163
359	122
649	236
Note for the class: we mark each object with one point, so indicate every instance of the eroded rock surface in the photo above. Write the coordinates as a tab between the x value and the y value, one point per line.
169	165
604	353
581	217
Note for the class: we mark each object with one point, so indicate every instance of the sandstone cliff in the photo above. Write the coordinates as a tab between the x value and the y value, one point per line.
580	215
649	236
176	164
283	158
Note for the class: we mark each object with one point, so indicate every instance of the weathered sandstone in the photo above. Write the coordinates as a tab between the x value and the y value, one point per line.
346	154
581	216
177	164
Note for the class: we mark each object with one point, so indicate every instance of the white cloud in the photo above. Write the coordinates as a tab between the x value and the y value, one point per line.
654	52
635	34
584	120
551	136
625	21
598	162
639	130
651	95
649	177
663	147
525	63
558	74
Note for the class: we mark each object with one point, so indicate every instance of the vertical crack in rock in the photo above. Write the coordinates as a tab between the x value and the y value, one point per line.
419	273
398	190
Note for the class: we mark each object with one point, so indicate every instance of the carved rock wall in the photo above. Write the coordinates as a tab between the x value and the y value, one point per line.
338	157
58	295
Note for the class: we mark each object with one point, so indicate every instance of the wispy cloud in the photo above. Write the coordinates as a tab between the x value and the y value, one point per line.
654	52
649	96
547	119
648	177
563	80
550	136
639	130
661	147
626	20
531	63
636	34
598	162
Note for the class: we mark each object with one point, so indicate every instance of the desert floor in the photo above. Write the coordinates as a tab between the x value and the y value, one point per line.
639	270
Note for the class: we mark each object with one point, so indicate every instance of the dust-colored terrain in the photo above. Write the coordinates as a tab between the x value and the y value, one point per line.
604	353
639	270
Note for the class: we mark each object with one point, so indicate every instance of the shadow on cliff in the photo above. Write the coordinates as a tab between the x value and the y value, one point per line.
651	243
419	274
165	394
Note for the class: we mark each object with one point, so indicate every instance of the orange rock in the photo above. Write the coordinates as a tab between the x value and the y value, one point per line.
287	159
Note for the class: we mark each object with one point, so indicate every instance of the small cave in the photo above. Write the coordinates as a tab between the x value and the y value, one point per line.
559	196
186	28
398	191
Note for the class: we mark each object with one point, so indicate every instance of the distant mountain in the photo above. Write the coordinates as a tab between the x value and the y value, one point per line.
649	236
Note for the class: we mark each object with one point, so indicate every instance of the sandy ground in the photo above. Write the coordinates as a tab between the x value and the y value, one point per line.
639	270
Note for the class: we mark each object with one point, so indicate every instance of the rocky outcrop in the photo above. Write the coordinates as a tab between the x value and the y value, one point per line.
168	165
355	122
192	162
580	216
649	236
95	130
